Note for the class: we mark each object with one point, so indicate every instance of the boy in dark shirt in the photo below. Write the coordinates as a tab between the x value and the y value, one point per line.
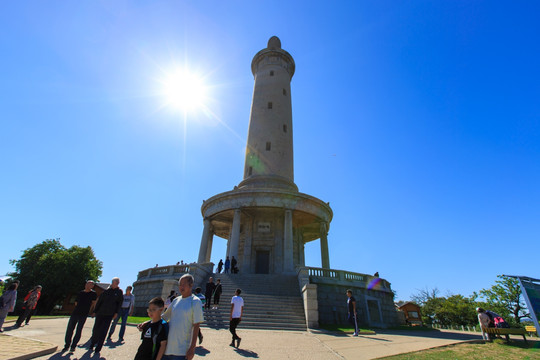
86	300
351	307
154	333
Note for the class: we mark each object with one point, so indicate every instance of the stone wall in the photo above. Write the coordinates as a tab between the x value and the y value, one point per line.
160	281
374	307
374	297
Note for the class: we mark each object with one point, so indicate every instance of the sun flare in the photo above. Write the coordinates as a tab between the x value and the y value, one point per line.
185	91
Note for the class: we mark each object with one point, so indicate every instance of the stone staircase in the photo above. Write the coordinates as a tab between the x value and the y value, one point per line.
270	302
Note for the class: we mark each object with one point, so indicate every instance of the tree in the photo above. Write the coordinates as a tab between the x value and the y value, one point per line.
424	295
59	270
505	299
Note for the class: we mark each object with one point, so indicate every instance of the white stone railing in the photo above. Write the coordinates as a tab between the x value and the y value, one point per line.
164	270
319	274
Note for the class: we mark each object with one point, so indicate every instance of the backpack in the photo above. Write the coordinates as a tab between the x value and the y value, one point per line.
500	323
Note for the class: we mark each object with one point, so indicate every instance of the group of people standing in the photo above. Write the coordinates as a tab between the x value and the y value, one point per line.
229	265
110	307
9	298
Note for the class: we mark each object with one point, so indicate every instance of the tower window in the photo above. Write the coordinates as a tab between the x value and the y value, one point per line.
269	104
284	128
250	171
271	72
268	145
284	92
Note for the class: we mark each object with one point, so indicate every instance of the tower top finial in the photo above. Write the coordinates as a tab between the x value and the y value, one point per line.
274	43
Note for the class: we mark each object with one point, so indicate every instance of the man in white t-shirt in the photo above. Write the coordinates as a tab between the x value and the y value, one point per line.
184	316
237	309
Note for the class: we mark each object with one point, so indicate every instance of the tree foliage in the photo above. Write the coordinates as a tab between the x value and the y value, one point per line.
58	269
451	310
505	298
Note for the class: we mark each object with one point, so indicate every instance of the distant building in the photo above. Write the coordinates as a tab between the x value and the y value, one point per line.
412	313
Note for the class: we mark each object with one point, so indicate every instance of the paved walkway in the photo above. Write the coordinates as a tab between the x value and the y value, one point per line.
255	344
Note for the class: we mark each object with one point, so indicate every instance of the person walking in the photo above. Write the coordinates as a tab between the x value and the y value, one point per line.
107	308
128	303
220	266
29	305
237	310
7	302
217	293
84	305
227	265
351	311
209	290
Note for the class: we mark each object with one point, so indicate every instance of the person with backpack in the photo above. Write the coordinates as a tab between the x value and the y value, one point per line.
7	302
498	322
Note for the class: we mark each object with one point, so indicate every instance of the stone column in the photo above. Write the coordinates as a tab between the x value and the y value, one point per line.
235	235
324	247
288	264
301	251
204	241
246	261
210	242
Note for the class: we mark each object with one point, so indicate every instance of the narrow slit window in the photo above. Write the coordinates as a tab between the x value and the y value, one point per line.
250	171
284	128
284	92
269	104
268	146
271	72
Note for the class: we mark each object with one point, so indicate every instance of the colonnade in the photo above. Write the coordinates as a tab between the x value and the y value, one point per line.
233	243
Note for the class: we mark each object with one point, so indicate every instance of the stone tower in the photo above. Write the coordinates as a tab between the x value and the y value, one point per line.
264	219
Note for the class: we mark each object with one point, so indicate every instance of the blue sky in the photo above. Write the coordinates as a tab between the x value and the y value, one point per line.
418	121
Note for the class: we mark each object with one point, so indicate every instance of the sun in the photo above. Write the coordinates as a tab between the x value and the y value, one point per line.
184	91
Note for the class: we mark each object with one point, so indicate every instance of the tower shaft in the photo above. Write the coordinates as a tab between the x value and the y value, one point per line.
269	152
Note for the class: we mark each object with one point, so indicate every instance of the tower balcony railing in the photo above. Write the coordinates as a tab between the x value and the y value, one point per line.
321	275
170	270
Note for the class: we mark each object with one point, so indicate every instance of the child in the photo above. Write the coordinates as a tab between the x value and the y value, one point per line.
154	333
201	297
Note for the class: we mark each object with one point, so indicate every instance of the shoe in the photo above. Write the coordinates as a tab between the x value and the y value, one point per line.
65	348
238	342
355	334
72	350
120	339
232	344
200	339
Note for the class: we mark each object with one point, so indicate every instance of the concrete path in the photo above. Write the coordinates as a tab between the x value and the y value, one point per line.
255	343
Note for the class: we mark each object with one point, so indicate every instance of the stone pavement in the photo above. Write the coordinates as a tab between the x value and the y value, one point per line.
255	344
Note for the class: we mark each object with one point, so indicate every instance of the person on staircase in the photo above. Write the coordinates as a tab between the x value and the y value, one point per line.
227	265
220	266
209	290
234	269
217	293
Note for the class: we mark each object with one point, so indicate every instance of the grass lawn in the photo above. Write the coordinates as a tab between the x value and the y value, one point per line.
517	349
344	329
137	319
